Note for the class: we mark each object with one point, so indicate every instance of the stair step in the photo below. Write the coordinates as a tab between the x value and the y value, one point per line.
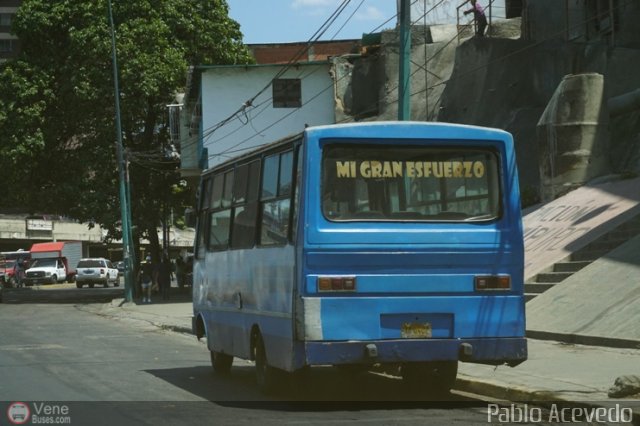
570	266
552	277
606	245
528	296
621	235
537	288
588	254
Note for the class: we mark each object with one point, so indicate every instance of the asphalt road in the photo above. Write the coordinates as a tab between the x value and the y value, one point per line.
127	373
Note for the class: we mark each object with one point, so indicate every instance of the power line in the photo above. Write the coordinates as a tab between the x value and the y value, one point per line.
209	131
249	103
314	38
517	52
264	104
233	149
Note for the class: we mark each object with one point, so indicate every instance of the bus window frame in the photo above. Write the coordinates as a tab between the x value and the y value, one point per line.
216	206
253	196
499	177
246	202
277	198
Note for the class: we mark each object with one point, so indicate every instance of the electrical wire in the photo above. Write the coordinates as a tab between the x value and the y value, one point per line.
249	103
235	148
209	131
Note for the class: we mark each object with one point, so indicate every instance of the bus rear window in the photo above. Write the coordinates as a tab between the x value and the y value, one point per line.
409	183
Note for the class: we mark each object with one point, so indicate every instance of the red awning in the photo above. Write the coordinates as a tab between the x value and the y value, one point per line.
42	247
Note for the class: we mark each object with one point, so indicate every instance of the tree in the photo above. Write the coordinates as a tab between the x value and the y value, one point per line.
57	103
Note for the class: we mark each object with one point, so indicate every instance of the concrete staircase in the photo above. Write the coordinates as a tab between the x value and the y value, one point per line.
562	270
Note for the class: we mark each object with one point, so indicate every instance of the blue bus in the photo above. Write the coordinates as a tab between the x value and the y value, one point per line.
388	244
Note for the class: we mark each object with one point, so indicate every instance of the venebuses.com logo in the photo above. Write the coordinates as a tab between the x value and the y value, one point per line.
18	413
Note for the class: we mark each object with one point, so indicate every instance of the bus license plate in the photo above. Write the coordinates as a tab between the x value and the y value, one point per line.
413	330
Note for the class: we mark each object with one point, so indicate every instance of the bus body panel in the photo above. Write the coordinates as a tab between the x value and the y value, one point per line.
375	318
241	288
493	351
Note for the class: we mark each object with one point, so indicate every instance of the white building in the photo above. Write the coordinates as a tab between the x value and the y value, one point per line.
229	110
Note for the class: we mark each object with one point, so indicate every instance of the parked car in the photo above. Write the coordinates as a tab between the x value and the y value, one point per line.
11	272
98	270
46	271
53	262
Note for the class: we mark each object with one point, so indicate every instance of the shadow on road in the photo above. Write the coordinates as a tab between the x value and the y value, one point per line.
324	388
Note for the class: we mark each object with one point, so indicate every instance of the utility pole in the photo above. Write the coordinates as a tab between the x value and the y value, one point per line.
124	204
404	84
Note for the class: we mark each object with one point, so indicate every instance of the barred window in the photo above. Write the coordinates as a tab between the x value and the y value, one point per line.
287	93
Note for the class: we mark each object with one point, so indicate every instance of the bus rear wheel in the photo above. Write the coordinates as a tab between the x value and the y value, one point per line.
221	363
435	378
266	376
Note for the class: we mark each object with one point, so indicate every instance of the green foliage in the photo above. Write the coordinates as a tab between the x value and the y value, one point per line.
57	108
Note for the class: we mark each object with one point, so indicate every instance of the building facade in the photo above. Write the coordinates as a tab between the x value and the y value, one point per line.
9	43
229	110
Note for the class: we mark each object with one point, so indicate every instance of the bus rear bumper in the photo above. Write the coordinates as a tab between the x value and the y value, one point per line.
494	351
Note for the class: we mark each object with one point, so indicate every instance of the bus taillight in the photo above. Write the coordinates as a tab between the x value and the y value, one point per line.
493	282
336	283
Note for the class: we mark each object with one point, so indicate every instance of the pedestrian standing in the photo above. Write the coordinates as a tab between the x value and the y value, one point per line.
146	279
480	17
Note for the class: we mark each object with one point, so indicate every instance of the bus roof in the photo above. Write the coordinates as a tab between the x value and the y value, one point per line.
412	129
383	129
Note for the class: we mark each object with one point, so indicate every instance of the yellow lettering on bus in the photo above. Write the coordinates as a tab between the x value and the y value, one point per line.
365	169
467	169
425	169
411	169
386	170
438	169
397	169
344	168
478	169
447	169
456	167
376	169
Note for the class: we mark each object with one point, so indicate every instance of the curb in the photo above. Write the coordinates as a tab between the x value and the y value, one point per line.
122	303
578	339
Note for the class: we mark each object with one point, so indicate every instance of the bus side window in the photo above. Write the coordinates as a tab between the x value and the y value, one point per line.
220	225
296	194
276	198
220	220
204	200
245	212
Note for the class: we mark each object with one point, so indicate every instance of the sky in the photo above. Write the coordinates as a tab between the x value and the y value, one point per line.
285	21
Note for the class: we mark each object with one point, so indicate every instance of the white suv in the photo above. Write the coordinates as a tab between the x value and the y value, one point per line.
96	271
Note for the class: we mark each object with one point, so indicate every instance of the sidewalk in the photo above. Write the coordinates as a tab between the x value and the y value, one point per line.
554	372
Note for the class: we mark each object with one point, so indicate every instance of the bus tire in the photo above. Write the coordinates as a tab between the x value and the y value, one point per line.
221	363
434	378
266	376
